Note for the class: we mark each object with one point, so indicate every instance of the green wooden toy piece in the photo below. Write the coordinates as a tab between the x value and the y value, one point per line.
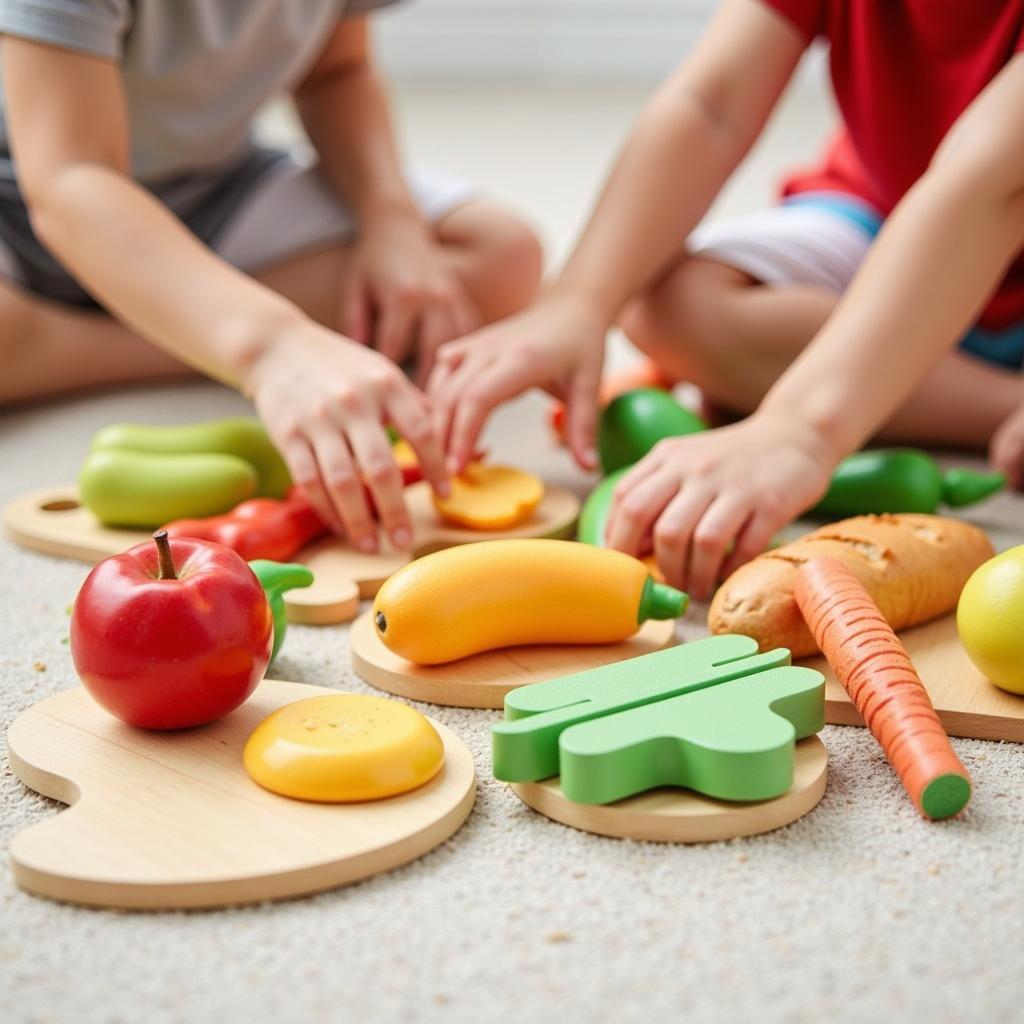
241	436
126	488
634	422
277	578
901	480
734	741
525	745
593	521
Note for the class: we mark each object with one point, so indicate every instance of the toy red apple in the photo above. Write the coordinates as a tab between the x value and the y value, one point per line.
171	633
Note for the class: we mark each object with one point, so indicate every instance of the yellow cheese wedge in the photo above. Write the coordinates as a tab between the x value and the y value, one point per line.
490	497
342	748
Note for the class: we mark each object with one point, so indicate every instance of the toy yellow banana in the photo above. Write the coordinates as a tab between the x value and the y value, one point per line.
507	593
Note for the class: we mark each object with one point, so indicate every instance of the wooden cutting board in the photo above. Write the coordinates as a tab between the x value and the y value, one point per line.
54	522
171	819
681	816
967	703
483	680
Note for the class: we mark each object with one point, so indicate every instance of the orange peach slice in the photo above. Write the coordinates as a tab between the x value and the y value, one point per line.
490	498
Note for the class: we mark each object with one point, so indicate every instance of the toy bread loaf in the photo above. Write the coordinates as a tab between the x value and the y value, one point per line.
913	566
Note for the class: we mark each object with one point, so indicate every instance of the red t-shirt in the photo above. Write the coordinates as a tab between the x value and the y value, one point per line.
903	71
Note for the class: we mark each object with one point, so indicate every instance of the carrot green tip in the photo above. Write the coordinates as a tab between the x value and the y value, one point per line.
966	486
945	796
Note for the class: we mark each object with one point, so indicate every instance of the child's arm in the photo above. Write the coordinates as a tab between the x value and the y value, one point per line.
689	138
321	396
402	294
935	263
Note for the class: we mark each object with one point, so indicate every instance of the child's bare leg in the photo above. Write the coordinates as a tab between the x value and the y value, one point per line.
48	349
715	326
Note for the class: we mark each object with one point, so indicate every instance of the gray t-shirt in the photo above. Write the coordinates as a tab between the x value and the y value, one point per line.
195	71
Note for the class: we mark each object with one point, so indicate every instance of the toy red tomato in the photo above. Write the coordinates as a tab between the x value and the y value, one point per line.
171	633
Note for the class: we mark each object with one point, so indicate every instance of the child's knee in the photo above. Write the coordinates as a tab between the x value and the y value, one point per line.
681	316
504	259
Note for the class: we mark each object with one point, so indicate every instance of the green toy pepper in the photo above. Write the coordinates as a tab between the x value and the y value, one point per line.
276	578
126	488
901	480
632	424
241	436
593	520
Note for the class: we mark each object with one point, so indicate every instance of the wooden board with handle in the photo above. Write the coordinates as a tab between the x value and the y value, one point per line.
171	819
483	680
966	702
53	521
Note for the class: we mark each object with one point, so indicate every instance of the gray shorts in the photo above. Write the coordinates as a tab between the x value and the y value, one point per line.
260	210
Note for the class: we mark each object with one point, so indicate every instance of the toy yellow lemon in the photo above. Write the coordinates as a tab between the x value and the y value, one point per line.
990	618
507	593
490	498
342	748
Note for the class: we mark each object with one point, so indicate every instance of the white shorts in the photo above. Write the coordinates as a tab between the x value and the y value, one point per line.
821	239
818	239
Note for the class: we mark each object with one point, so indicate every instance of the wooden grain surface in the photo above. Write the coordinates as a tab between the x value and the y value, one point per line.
483	680
966	702
167	820
52	521
680	816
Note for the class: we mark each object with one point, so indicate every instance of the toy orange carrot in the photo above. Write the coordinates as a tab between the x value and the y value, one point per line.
876	671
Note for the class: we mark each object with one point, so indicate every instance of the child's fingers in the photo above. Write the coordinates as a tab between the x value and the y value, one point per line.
443	397
344	487
646	467
673	532
305	472
396	325
409	411
581	416
753	538
379	472
436	327
633	517
1007	449
712	535
357	315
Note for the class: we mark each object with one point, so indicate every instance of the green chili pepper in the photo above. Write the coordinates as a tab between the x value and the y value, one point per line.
593	520
901	480
124	488
241	436
276	578
632	424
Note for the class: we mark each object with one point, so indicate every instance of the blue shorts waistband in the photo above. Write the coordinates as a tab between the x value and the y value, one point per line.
863	214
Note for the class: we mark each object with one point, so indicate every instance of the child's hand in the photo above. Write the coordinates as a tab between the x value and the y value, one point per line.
698	497
404	299
1006	451
324	400
556	344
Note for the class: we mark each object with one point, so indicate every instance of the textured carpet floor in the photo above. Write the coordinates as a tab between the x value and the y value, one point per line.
859	911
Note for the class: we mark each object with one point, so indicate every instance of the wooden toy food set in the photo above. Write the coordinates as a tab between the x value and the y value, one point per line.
171	819
274	789
465	625
137	478
705	741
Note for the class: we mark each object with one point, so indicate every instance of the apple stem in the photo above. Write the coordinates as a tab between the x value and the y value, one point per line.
163	547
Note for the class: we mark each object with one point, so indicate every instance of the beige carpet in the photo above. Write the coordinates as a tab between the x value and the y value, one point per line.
859	912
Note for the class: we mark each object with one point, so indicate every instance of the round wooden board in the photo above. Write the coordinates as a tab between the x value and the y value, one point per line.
681	816
172	820
483	680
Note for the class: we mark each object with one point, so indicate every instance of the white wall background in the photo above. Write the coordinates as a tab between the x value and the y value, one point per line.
557	39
